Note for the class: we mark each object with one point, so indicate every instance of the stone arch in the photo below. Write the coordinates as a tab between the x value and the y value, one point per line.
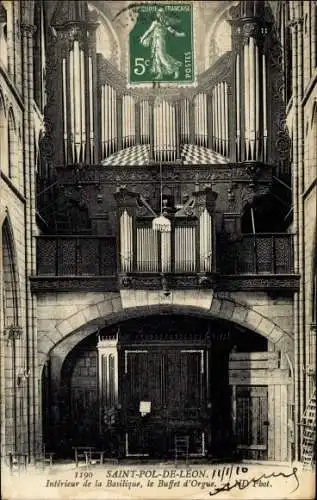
112	310
107	25
209	52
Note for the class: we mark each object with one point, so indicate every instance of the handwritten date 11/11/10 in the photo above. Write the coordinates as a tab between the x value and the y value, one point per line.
241	484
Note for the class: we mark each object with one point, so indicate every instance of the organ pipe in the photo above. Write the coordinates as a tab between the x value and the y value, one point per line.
257	104
238	138
145	122
166	252
206	241
91	113
65	111
126	242
264	108
184	117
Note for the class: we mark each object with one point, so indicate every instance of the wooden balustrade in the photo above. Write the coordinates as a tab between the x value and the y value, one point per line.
76	256
96	256
262	253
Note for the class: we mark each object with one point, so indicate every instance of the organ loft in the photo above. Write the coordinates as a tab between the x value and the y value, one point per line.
164	228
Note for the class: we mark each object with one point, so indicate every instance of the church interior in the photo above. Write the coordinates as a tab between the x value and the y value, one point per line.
158	238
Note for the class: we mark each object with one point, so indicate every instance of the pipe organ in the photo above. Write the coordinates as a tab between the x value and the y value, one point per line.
200	109
144	122
109	130
128	121
164	117
90	130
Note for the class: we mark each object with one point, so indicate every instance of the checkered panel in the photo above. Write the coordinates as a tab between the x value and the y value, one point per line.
135	155
199	155
190	154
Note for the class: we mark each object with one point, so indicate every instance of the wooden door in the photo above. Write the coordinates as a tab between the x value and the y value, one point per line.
172	382
252	421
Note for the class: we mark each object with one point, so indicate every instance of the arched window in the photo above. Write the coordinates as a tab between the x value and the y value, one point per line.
3	36
220	40
13	147
10	282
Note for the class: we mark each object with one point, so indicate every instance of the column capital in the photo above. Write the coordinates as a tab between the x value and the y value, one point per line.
27	29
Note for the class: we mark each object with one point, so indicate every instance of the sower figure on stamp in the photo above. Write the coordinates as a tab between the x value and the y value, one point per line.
155	37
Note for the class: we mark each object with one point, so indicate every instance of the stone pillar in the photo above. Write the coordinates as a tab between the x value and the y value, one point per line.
108	376
33	427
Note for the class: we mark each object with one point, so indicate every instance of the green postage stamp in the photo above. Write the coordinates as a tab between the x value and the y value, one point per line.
161	44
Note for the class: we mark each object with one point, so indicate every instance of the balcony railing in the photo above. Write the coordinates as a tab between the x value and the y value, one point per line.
261	253
89	263
76	256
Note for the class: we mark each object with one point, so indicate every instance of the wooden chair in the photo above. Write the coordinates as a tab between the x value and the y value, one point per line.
181	447
45	457
94	457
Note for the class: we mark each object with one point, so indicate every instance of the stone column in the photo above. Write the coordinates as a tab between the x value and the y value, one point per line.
32	403
108	375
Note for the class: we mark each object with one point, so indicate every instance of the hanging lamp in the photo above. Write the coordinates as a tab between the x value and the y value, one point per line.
161	223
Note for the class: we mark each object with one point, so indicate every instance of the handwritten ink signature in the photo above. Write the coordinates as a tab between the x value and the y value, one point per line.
244	483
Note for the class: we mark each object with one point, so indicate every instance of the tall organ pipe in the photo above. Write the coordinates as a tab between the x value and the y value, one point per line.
126	242
238	137
257	104
264	91
247	100
166	252
91	112
65	111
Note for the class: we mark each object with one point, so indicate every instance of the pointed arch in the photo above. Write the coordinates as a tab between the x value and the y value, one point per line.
13	145
11	289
